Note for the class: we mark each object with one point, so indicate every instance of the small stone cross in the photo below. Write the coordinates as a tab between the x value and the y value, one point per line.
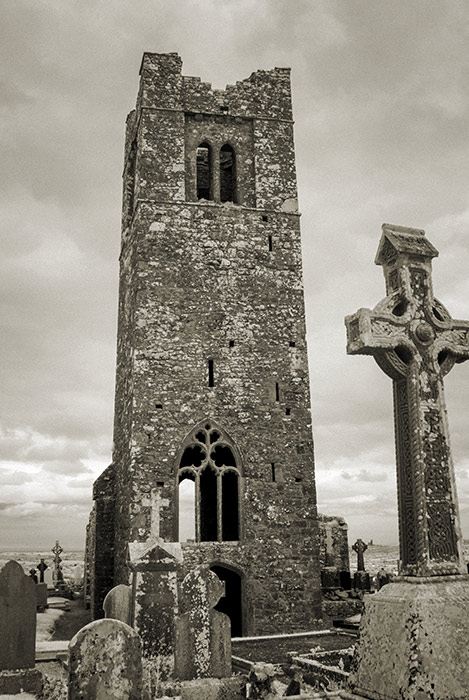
155	503
415	341
42	566
360	548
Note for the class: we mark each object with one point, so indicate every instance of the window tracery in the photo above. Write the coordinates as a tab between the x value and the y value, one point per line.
209	459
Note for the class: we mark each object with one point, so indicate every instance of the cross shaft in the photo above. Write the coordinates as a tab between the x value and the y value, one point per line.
416	342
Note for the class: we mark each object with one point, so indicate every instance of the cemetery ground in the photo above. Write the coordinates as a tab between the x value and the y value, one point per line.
58	624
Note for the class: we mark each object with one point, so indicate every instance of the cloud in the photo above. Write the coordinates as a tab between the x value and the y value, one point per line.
364	475
381	110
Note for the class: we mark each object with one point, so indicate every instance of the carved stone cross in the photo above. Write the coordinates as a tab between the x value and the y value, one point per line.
42	566
415	341
155	504
57	551
360	548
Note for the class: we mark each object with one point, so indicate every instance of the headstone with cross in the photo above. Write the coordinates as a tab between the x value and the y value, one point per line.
360	547
361	579
415	341
41	567
411	630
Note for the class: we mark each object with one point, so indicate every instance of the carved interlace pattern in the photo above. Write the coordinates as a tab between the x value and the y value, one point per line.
388	252
418	284
405	481
414	340
441	535
354	330
393	281
381	328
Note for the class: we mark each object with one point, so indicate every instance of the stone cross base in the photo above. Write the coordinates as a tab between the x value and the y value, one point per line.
413	641
28	680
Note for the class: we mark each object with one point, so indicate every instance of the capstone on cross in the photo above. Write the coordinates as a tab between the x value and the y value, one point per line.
415	341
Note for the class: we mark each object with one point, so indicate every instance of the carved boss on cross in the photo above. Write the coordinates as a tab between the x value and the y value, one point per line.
416	342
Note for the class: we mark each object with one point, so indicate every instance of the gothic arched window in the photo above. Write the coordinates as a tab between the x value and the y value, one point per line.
208	459
204	174
227	174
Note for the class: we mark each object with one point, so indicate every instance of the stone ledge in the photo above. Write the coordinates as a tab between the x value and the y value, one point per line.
206	689
27	680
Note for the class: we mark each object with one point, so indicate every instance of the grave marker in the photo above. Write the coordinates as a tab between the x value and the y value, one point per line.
48	579
41	596
57	574
117	604
41	567
203	635
361	579
105	662
412	630
154	566
415	341
17	631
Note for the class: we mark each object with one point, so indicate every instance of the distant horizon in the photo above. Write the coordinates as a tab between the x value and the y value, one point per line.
381	108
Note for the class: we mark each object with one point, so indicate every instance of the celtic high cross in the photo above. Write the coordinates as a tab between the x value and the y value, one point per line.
415	341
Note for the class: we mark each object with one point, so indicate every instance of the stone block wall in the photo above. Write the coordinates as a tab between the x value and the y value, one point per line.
212	328
333	538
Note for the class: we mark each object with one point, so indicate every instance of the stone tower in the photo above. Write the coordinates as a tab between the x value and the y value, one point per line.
212	374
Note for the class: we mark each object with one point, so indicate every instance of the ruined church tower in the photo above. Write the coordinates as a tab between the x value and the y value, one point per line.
212	384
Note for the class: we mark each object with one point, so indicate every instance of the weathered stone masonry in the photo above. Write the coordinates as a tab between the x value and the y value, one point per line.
212	333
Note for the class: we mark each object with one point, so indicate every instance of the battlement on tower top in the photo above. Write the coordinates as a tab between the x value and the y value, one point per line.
266	94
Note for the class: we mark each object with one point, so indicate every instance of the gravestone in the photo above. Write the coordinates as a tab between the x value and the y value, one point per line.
117	604
361	579
411	637
48	579
105	662
41	567
17	631
203	635
77	575
41	596
154	566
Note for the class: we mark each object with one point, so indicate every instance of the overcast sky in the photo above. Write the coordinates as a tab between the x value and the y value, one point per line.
381	103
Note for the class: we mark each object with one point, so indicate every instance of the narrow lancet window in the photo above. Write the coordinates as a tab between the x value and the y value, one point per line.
229	506
186	507
227	174
204	176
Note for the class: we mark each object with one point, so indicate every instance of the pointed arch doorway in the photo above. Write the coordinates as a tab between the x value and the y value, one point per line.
231	604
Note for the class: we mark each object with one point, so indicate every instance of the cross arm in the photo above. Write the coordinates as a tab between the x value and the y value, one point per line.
369	333
455	340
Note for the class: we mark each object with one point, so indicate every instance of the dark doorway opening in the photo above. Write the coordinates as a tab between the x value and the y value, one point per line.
231	603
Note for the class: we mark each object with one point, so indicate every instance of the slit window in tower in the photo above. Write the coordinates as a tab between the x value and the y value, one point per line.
277	392
203	172
270	244
210	373
272	467
227	174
